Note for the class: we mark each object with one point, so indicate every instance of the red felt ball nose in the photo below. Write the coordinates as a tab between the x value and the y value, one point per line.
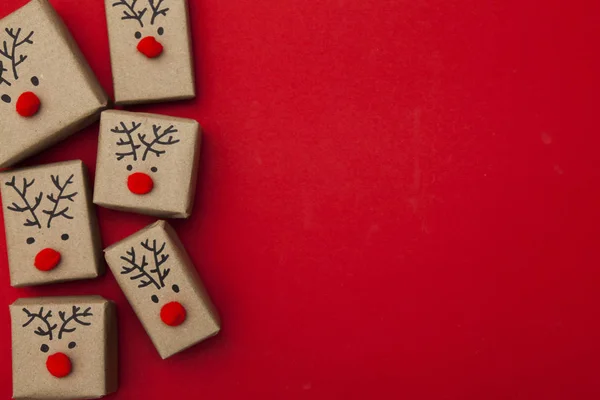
59	365
47	259
150	47
173	314
28	104
140	183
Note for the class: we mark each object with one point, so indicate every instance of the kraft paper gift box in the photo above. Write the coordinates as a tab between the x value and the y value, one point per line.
150	50
47	89
50	223
162	285
147	163
64	347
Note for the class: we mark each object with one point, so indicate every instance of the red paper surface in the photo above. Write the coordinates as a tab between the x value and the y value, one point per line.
397	200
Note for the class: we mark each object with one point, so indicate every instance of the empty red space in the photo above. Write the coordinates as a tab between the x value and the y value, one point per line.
396	200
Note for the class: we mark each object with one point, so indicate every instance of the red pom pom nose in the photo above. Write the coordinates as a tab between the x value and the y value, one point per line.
59	365
173	314
28	104
47	259
140	183
150	47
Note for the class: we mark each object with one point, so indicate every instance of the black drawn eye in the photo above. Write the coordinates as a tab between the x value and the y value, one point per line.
138	35
161	30
6	98
154	169
44	348
65	236
154	298
72	345
129	167
35	81
175	288
30	240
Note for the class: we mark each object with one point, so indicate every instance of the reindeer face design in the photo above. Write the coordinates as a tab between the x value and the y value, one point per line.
151	13
150	50
13	54
62	347
46	87
58	364
147	163
50	228
139	182
159	280
146	264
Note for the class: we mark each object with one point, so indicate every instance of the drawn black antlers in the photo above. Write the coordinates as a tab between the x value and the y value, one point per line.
75	317
138	271
2	71
46	328
130	12
145	278
30	205
158	140
27	206
54	212
9	52
159	260
155	146
132	151
156	10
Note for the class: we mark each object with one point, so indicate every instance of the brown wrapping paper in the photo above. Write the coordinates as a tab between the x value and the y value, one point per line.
44	54
165	149
34	221
137	78
84	328
153	269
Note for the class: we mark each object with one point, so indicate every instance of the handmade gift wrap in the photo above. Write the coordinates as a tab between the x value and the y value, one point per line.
64	347
47	89
150	50
147	163
50	222
163	287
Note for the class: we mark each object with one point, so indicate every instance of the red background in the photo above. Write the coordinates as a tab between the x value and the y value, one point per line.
397	199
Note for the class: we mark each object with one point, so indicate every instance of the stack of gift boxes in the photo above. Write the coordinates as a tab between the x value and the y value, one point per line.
66	347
